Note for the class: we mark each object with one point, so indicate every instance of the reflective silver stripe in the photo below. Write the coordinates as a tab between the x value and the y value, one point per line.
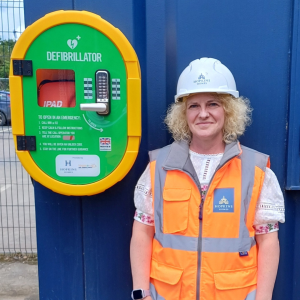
251	296
154	294
221	245
249	158
248	168
178	242
160	178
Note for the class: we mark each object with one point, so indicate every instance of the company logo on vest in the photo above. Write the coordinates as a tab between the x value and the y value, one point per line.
223	200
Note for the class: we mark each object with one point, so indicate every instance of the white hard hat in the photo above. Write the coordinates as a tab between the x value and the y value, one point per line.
205	75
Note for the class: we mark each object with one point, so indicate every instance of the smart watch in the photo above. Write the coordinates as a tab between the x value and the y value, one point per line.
139	294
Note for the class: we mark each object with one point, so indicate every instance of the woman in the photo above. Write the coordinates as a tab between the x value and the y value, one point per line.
207	208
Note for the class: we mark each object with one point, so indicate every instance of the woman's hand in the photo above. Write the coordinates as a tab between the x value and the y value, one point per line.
268	258
140	255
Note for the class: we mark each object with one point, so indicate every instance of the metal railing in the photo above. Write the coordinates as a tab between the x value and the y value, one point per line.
4	84
11	19
17	210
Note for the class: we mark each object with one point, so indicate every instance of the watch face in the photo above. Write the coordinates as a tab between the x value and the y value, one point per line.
137	294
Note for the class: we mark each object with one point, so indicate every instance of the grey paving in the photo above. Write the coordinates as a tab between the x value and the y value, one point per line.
18	281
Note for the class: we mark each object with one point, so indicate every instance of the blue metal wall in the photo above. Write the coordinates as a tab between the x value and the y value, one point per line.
83	243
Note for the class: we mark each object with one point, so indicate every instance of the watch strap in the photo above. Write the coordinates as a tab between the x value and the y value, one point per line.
146	293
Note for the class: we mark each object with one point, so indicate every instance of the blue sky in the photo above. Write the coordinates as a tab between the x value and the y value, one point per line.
11	19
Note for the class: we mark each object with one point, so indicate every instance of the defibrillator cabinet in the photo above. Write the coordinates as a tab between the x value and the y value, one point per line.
76	102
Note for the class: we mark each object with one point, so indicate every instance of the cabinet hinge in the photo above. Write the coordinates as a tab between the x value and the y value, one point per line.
22	67
26	143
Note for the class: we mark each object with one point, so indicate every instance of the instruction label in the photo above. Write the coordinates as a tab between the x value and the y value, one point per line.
58	133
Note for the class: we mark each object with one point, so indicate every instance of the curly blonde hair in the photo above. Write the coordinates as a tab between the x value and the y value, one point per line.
237	117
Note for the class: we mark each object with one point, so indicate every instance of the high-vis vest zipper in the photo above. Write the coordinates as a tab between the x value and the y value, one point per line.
214	258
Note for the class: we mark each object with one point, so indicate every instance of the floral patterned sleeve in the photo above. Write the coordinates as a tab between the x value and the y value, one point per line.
270	205
266	228
144	218
143	199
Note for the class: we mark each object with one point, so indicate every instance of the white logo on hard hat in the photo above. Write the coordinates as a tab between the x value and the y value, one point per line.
202	80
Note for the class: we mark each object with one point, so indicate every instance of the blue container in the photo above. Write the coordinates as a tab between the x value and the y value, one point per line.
83	242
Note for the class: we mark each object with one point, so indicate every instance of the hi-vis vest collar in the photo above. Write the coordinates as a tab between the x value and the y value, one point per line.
216	258
179	159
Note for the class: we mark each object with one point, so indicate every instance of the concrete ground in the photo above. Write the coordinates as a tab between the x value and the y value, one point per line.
18	281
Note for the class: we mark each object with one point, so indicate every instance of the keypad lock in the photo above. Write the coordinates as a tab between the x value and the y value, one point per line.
102	89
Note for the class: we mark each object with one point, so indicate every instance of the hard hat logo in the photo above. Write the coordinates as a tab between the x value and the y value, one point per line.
214	78
202	80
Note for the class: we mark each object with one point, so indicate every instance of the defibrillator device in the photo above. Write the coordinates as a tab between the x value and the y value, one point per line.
75	88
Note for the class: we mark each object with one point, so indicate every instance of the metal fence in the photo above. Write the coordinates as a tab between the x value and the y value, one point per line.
17	211
4	84
11	19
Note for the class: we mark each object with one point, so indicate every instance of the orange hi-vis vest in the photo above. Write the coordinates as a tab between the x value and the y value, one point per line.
205	251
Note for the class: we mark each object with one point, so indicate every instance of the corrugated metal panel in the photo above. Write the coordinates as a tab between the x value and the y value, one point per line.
253	39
